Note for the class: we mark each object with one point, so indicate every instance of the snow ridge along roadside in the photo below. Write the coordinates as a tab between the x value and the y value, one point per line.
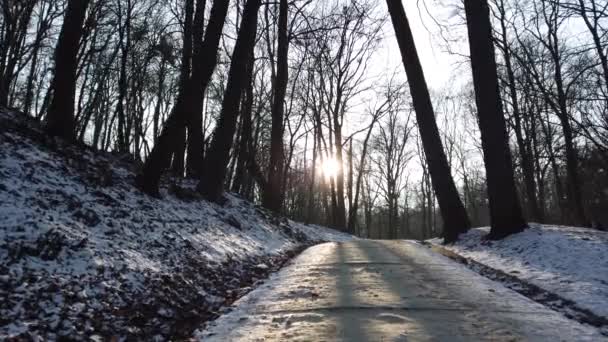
84	254
565	268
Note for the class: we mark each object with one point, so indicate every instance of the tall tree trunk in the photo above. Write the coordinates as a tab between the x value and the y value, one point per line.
179	151
159	101
340	213
454	215
125	34
527	165
148	179
211	184
505	211
273	194
246	129
311	188
349	184
352	212
574	186
178	163
16	18
42	28
194	107
60	119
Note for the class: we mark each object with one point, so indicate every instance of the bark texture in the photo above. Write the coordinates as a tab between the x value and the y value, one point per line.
505	211
60	119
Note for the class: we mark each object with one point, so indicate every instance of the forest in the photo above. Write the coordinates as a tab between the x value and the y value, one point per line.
287	104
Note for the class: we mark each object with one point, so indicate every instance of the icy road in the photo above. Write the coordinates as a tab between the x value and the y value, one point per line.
367	290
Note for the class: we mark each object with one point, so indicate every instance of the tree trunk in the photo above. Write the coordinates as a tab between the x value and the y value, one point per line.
211	184
505	211
313	170
352	212
340	214
273	194
178	163
454	215
527	165
246	130
179	151
60	119
125	34
195	101
575	198
14	32
148	179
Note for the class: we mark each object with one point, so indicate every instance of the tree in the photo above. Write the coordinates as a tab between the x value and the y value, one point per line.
273	194
16	15
60	117
211	184
177	165
343	44
526	159
505	211
201	75
454	215
149	177
391	159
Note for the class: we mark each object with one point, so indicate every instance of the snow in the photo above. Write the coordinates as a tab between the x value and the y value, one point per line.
567	261
83	252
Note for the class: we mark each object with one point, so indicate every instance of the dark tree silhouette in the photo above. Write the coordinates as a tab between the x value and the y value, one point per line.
216	161
149	178
179	152
505	211
273	194
60	118
196	95
15	17
527	162
245	150
453	213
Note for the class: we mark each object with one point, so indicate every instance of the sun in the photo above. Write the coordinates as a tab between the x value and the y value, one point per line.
330	167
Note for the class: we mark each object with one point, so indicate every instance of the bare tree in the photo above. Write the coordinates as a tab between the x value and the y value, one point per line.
60	118
149	177
391	159
216	161
273	194
453	212
505	210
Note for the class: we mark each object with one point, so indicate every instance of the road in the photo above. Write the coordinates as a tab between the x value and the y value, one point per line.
371	290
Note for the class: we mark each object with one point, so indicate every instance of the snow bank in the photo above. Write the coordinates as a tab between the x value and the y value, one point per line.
567	261
83	253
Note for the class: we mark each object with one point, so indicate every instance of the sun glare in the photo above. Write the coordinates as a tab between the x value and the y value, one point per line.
330	167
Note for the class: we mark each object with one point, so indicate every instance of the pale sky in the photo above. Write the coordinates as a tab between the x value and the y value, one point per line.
440	66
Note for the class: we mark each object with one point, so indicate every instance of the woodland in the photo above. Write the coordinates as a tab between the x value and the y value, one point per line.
282	103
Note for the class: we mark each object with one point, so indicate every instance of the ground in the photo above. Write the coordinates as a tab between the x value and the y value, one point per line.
368	290
566	268
85	254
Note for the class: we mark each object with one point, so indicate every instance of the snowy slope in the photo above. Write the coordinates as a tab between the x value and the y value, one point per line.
84	253
567	261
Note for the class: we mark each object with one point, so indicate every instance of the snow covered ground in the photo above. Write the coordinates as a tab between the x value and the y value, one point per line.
83	253
567	261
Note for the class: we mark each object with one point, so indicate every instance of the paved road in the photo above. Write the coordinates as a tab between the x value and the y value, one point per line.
369	290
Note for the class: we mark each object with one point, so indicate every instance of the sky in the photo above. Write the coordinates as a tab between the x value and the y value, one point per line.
433	24
440	67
